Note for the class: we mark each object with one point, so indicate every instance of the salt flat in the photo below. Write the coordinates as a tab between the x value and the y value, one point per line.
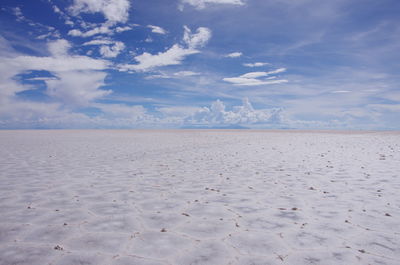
199	197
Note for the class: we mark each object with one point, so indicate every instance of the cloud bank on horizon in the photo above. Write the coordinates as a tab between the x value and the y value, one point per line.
200	64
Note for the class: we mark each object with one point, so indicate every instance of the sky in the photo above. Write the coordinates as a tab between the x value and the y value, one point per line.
262	64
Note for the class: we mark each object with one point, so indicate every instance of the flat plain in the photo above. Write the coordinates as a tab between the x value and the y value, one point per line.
141	197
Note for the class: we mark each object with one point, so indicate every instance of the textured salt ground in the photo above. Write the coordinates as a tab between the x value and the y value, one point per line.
199	197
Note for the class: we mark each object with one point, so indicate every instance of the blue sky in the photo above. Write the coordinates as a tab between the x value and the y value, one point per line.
302	64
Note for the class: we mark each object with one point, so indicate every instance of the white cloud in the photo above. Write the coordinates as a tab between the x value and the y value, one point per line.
98	42
146	61
174	55
59	47
18	13
78	78
239	115
114	11
42	78
156	29
234	55
198	39
122	29
340	91
77	87
109	48
113	50
200	4
103	29
180	74
185	73
258	64
179	111
253	78
63	16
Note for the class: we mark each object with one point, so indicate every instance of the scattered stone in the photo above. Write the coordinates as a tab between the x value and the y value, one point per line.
58	248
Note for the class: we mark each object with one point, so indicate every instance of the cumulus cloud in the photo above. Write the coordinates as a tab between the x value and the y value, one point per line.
258	64
234	55
201	4
174	55
77	78
112	50
114	11
245	114
198	39
77	87
156	29
256	78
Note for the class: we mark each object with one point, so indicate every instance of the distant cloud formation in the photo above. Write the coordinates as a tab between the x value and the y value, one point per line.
234	55
156	29
128	63
255	78
258	64
77	78
245	114
201	4
114	11
174	55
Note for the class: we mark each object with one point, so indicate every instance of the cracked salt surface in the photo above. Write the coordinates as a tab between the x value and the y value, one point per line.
199	197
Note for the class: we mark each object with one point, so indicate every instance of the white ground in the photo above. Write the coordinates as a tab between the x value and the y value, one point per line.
199	197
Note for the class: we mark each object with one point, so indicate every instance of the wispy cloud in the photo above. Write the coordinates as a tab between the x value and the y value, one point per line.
258	64
234	55
174	55
157	29
255	78
201	4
